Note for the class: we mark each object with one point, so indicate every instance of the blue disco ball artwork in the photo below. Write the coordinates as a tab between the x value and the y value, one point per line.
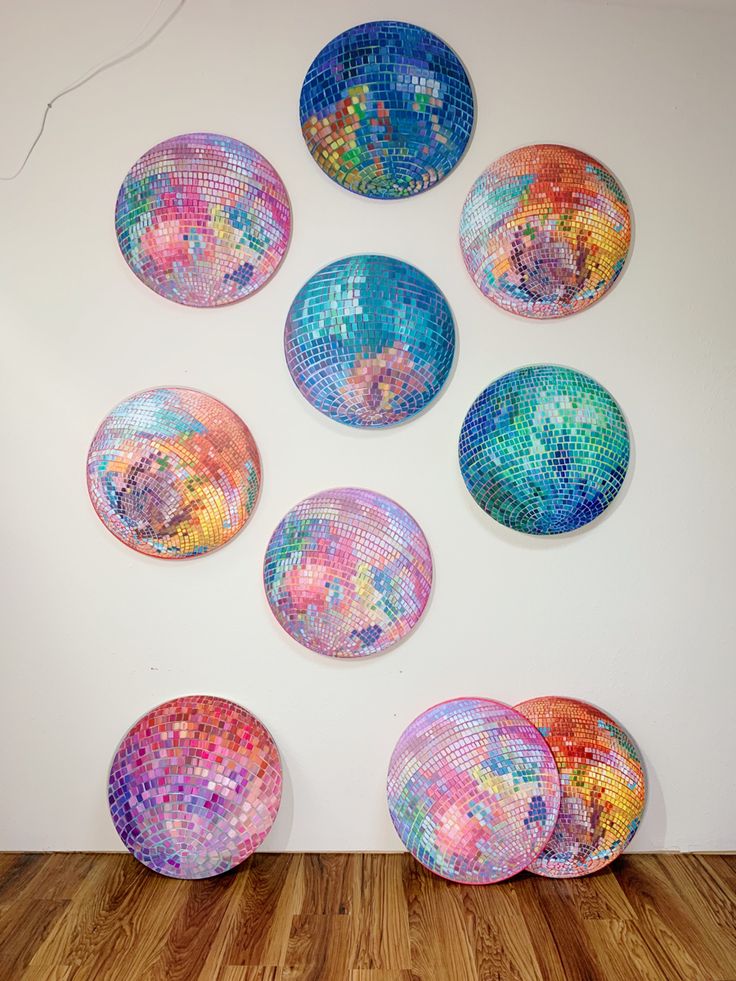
369	340
544	449
386	109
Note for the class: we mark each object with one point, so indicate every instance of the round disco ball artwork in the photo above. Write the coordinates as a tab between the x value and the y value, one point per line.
386	109
544	449
195	786
473	790
603	786
203	219
348	573
545	231
173	473
369	340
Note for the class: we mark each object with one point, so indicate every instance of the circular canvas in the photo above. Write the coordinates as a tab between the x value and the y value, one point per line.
369	340
386	109
173	473
195	786
473	790
545	231
203	219
544	449
348	573
603	786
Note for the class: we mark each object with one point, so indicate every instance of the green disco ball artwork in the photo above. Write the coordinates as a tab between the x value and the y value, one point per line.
544	449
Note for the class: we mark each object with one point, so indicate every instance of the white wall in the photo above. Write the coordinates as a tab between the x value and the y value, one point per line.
635	614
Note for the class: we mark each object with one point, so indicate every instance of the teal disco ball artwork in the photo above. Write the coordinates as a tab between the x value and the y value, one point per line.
369	340
544	449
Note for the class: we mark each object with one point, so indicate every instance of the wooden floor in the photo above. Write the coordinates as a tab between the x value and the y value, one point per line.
364	918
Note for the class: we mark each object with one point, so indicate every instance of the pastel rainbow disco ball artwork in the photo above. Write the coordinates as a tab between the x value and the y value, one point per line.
173	473
195	786
473	790
544	449
203	219
386	109
348	573
545	231
369	340
603	786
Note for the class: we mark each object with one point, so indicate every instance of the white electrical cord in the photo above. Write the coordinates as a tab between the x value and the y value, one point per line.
97	70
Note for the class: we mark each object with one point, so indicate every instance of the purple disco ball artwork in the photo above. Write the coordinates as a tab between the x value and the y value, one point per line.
473	790
348	573
195	786
203	219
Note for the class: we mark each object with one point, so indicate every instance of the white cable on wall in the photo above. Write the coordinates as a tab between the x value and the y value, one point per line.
97	70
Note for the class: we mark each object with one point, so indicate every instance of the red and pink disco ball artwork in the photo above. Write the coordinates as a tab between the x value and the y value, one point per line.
603	786
195	786
545	231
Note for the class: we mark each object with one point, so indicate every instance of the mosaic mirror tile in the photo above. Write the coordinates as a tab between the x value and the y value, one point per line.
195	786
386	109
348	573
369	340
173	473
203	219
545	231
603	786
473	790
544	449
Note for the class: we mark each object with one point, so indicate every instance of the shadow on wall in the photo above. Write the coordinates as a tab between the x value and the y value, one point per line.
277	839
654	821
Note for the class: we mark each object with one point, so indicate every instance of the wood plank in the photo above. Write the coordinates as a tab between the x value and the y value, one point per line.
723	867
441	946
36	893
579	962
257	922
661	919
319	948
543	943
503	947
711	913
61	876
191	929
22	934
16	872
120	907
329	881
380	910
620	950
600	897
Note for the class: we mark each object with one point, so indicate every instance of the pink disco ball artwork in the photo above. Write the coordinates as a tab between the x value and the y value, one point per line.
195	786
603	786
348	573
203	219
173	473
473	790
